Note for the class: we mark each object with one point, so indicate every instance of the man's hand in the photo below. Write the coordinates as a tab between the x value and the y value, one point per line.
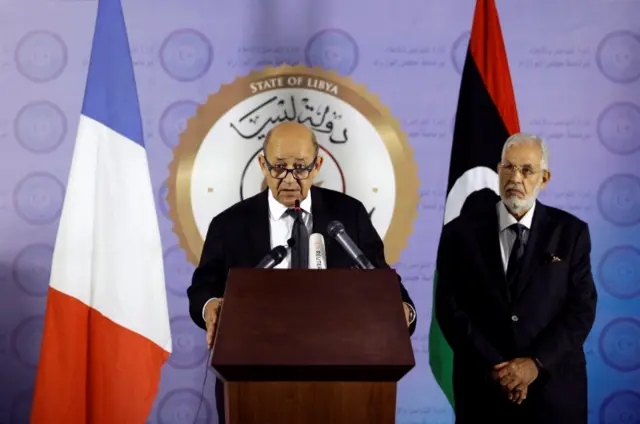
407	313
211	312
515	376
518	396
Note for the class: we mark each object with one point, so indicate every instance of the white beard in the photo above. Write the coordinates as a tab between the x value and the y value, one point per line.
519	206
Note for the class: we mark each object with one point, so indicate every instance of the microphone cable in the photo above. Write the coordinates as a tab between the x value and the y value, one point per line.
204	381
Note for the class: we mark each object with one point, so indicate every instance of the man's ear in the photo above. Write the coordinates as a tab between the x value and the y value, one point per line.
546	176
544	179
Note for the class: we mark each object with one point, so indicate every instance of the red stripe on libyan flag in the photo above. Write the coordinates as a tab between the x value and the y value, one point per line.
487	49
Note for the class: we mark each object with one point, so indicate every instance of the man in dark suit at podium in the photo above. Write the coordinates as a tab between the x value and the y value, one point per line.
243	234
516	300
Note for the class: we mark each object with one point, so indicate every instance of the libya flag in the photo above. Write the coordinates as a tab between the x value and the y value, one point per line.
485	117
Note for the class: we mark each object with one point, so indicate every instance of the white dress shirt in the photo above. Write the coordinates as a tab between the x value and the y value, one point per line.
281	224
507	236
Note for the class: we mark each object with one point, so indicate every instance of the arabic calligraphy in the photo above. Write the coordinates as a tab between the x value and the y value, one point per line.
431	414
401	56
436	128
544	57
322	118
432	199
574	201
565	129
257	56
255	50
142	56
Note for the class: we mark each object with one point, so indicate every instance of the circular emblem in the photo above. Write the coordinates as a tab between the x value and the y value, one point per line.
366	154
620	407
619	199
26	339
619	128
619	272
189	347
38	198
333	49
619	344
180	406
174	120
459	51
32	269
618	57
40	127
186	55
41	56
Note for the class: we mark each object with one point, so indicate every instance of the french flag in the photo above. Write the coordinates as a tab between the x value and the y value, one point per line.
106	331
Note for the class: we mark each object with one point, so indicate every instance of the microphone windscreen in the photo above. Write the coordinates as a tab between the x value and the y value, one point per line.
334	228
280	252
317	253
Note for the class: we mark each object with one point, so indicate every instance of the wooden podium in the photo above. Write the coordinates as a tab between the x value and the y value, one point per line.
311	346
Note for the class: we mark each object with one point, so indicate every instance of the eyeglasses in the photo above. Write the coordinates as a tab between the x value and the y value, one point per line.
299	173
526	170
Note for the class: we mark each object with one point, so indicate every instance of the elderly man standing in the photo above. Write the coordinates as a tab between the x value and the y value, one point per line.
290	162
516	300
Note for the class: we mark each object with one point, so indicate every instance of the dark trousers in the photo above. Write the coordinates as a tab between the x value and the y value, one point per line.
220	401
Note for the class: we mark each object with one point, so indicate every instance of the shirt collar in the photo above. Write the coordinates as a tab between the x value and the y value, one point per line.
277	209
506	219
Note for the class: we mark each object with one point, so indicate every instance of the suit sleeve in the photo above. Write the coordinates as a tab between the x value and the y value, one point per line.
209	277
454	321
570	329
373	248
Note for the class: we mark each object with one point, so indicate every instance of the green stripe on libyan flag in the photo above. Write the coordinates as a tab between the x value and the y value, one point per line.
486	116
440	354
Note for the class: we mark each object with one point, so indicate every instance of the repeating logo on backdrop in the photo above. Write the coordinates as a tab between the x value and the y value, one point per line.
366	154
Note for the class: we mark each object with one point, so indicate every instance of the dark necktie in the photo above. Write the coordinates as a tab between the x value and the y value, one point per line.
300	235
517	252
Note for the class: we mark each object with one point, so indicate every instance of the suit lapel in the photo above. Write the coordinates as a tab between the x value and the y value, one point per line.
488	239
259	225
538	239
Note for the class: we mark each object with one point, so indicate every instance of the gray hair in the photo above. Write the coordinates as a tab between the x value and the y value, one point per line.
519	138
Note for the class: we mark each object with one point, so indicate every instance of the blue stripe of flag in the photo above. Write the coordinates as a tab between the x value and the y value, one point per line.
110	95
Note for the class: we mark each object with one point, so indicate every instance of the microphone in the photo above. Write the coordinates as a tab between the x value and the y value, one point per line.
337	231
317	254
273	258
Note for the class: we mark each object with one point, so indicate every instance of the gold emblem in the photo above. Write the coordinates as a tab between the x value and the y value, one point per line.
366	153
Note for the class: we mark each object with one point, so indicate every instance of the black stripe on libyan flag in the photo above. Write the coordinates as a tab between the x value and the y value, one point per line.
478	136
479	130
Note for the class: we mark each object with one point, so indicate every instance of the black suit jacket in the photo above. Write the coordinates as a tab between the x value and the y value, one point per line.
548	317
240	237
